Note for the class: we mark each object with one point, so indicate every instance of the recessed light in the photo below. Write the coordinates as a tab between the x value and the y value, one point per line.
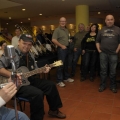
23	9
28	18
63	0
7	23
9	17
21	22
40	14
99	12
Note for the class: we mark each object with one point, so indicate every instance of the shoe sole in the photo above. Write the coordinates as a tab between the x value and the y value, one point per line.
68	81
56	116
61	86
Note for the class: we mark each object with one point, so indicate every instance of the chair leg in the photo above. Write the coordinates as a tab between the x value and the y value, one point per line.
24	105
20	104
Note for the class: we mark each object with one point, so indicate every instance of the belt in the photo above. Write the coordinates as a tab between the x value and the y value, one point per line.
90	50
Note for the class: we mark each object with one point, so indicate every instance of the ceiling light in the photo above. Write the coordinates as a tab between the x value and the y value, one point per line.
99	12
23	9
21	22
9	17
40	14
28	18
7	23
63	0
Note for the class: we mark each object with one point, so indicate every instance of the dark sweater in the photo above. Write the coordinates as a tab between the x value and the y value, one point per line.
88	42
109	39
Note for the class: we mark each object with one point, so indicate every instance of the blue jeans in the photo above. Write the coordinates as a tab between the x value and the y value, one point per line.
108	61
9	114
62	71
70	58
75	60
89	62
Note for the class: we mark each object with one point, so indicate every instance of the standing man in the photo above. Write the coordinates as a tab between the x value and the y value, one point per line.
61	39
77	46
108	45
16	38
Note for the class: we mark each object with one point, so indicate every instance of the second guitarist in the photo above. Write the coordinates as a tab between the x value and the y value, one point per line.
38	88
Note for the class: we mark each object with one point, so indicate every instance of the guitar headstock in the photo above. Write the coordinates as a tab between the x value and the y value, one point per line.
57	63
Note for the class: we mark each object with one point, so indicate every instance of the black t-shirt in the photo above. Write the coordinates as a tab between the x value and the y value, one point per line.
109	39
88	42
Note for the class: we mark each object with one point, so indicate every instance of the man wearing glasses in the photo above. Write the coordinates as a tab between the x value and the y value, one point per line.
61	39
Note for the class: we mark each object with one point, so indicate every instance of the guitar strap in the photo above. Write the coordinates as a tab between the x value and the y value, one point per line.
27	60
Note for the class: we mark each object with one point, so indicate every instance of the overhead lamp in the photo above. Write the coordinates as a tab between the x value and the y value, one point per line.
28	18
7	23
40	14
99	12
23	9
63	0
9	17
21	22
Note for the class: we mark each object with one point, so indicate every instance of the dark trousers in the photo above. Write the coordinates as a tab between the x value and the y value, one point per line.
75	60
70	58
35	93
89	62
108	61
62	71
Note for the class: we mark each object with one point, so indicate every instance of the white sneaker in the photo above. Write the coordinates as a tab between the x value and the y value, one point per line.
69	80
61	84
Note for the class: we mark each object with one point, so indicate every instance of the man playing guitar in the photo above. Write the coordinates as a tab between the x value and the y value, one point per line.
38	87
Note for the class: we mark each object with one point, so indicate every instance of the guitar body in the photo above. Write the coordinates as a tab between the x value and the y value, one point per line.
23	70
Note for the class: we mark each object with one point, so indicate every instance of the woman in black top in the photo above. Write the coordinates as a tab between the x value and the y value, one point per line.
89	52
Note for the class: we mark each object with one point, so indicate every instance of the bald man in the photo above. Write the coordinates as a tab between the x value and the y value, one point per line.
108	45
61	39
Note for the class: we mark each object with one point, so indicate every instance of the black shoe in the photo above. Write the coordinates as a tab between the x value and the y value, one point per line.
101	89
82	79
91	79
57	114
114	90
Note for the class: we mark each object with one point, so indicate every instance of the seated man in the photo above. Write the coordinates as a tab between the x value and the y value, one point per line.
6	93
38	87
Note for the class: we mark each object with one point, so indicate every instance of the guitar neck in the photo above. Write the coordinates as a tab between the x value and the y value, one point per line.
36	71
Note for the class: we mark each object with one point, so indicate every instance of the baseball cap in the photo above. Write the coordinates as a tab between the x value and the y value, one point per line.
27	38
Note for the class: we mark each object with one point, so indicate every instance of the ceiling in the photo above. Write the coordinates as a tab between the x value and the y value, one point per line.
13	8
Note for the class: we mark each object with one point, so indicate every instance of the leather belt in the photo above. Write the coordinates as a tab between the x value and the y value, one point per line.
90	50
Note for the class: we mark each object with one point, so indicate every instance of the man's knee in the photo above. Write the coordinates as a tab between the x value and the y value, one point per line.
22	116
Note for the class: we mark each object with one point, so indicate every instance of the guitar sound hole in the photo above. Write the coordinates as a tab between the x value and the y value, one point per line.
23	81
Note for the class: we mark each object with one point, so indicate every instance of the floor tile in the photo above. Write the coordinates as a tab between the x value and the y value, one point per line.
100	116
82	101
115	117
103	108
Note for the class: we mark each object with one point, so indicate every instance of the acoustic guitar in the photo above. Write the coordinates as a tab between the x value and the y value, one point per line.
25	73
